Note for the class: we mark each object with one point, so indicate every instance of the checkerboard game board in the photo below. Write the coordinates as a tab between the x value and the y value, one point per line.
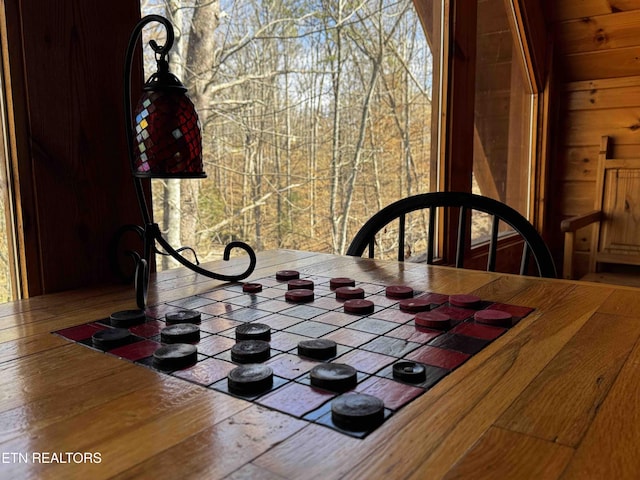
432	331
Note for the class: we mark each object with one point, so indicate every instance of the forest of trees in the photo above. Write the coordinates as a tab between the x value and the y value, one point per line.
315	114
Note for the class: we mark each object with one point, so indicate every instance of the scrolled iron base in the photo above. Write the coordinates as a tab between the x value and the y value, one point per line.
151	234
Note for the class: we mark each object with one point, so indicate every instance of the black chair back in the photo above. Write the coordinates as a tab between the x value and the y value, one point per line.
534	245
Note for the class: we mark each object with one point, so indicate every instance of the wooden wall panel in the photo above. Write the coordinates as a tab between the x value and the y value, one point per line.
619	62
560	10
597	33
73	59
578	163
586	128
577	197
598	58
598	98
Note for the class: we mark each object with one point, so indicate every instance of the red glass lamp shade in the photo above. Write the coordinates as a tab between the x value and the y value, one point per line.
167	142
164	141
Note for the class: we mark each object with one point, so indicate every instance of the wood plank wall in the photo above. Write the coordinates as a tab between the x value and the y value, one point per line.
75	182
597	60
72	79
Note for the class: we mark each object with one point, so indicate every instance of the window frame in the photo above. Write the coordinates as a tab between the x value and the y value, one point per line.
15	143
457	115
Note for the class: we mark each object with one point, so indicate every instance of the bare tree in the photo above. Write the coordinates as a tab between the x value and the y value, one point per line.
305	107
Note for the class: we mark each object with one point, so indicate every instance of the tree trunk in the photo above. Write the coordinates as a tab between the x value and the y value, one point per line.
200	57
336	77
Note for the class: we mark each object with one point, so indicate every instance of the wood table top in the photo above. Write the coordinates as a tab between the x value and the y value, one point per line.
557	396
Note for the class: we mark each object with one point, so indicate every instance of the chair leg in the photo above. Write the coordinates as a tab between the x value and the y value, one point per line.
526	254
493	244
462	222
430	233
567	265
401	232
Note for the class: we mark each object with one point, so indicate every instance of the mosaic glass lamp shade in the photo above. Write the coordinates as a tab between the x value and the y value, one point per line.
164	141
168	143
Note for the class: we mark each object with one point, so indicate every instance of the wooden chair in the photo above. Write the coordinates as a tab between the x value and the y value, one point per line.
534	245
615	236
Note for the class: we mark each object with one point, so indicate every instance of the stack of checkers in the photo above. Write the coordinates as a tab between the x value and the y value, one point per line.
298	290
447	321
318	348
180	333
252	347
178	337
335	377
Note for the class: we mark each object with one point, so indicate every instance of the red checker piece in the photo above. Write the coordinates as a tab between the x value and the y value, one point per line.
498	318
358	305
251	287
299	295
300	284
398	291
437	298
347	293
287	275
437	320
464	300
338	282
415	305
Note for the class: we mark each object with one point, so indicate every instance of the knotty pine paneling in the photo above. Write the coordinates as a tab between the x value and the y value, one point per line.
77	164
585	128
597	48
577	157
578	163
613	63
599	32
560	10
598	98
577	197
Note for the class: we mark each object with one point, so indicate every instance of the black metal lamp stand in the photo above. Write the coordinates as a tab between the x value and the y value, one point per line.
162	82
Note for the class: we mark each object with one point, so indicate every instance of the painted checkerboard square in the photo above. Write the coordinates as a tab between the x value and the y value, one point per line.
371	343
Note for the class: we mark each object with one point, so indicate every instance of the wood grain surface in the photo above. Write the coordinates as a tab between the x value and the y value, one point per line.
554	397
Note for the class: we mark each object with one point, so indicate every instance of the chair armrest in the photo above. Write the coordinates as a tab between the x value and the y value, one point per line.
574	223
569	227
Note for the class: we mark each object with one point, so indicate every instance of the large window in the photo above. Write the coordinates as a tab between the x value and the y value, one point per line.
315	115
502	142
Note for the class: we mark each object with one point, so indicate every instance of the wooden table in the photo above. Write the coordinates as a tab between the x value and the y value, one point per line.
557	396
